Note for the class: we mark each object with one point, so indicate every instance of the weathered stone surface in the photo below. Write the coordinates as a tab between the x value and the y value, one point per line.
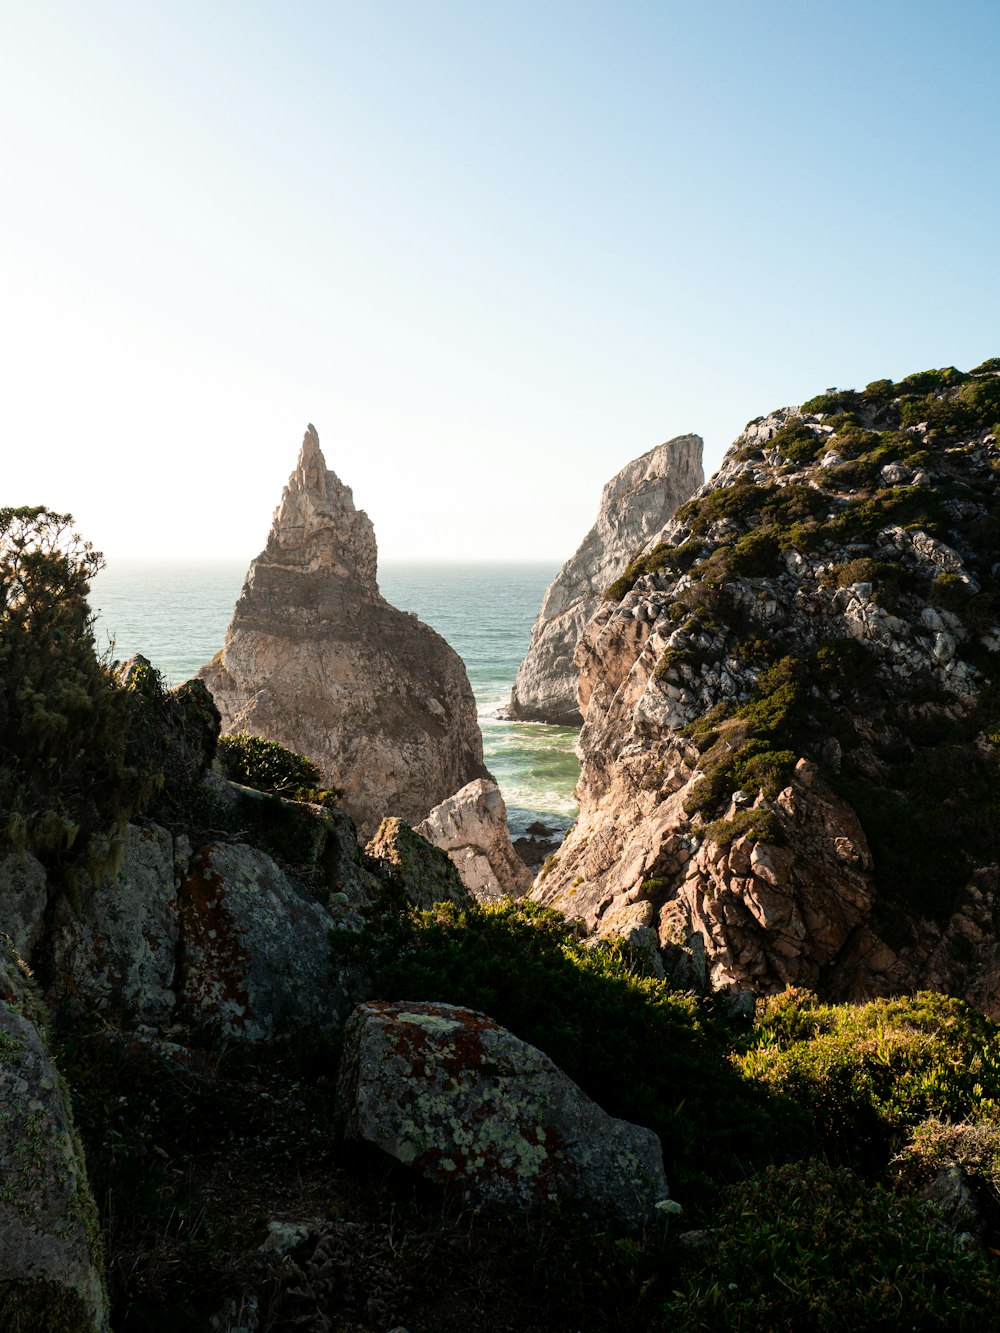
471	827
466	1103
634	506
23	897
733	908
317	659
115	949
421	872
255	956
51	1262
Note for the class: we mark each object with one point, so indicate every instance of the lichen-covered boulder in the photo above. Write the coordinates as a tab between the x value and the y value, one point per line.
471	827
23	897
51	1262
114	946
465	1103
421	873
255	954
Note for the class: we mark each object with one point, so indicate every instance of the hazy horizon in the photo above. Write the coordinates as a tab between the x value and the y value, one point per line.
493	254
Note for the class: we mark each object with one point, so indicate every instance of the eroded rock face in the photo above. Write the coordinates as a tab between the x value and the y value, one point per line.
422	873
317	659
635	505
471	827
51	1260
790	729
465	1103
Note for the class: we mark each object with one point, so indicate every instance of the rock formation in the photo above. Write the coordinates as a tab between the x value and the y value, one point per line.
51	1257
317	659
790	756
634	506
464	1102
471	827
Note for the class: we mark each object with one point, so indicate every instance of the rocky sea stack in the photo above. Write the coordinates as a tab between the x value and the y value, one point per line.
790	762
634	506
317	659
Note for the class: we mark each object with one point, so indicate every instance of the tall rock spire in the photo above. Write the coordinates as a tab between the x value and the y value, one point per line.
316	659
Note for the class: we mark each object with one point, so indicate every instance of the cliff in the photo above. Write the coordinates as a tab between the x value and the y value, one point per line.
790	766
317	659
634	506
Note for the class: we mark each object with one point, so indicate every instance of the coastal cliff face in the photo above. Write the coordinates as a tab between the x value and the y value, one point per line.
790	763
317	659
635	505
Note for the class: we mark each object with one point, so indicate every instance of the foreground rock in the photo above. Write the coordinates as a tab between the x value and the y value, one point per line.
51	1263
466	1103
471	827
317	659
791	724
634	507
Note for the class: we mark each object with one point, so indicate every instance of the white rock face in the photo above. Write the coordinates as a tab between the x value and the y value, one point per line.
471	827
317	659
634	507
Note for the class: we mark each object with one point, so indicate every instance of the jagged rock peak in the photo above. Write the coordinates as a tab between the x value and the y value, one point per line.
317	659
635	504
317	526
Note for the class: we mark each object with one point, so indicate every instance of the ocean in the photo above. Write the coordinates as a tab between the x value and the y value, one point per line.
176	614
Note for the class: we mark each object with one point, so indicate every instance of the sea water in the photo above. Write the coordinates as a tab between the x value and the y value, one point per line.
176	615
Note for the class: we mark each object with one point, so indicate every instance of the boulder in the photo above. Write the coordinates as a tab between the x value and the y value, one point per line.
634	506
255	957
317	659
51	1261
23	898
465	1103
471	827
420	873
114	945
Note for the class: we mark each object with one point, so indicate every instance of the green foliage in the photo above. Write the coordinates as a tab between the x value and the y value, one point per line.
866	1073
270	767
755	825
837	400
641	1050
798	442
811	1247
63	773
991	366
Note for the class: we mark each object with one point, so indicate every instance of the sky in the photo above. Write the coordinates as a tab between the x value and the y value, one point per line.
492	251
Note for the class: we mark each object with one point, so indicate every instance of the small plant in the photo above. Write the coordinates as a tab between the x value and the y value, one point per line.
270	767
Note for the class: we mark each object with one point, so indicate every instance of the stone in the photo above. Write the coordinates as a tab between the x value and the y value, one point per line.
23	899
114	946
317	659
472	828
466	1104
51	1258
635	504
255	958
420	872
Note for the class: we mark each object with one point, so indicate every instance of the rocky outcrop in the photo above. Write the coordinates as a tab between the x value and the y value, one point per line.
790	745
23	899
465	1103
471	827
635	504
317	659
418	872
51	1259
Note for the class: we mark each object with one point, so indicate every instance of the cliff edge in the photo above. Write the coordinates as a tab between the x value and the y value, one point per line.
790	753
634	506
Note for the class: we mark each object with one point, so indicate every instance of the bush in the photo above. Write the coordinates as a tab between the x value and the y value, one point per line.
811	1247
270	767
63	772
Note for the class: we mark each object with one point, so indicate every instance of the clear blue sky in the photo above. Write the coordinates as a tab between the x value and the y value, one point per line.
493	251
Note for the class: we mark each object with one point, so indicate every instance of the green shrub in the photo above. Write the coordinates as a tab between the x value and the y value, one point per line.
270	767
811	1247
63	718
867	1073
